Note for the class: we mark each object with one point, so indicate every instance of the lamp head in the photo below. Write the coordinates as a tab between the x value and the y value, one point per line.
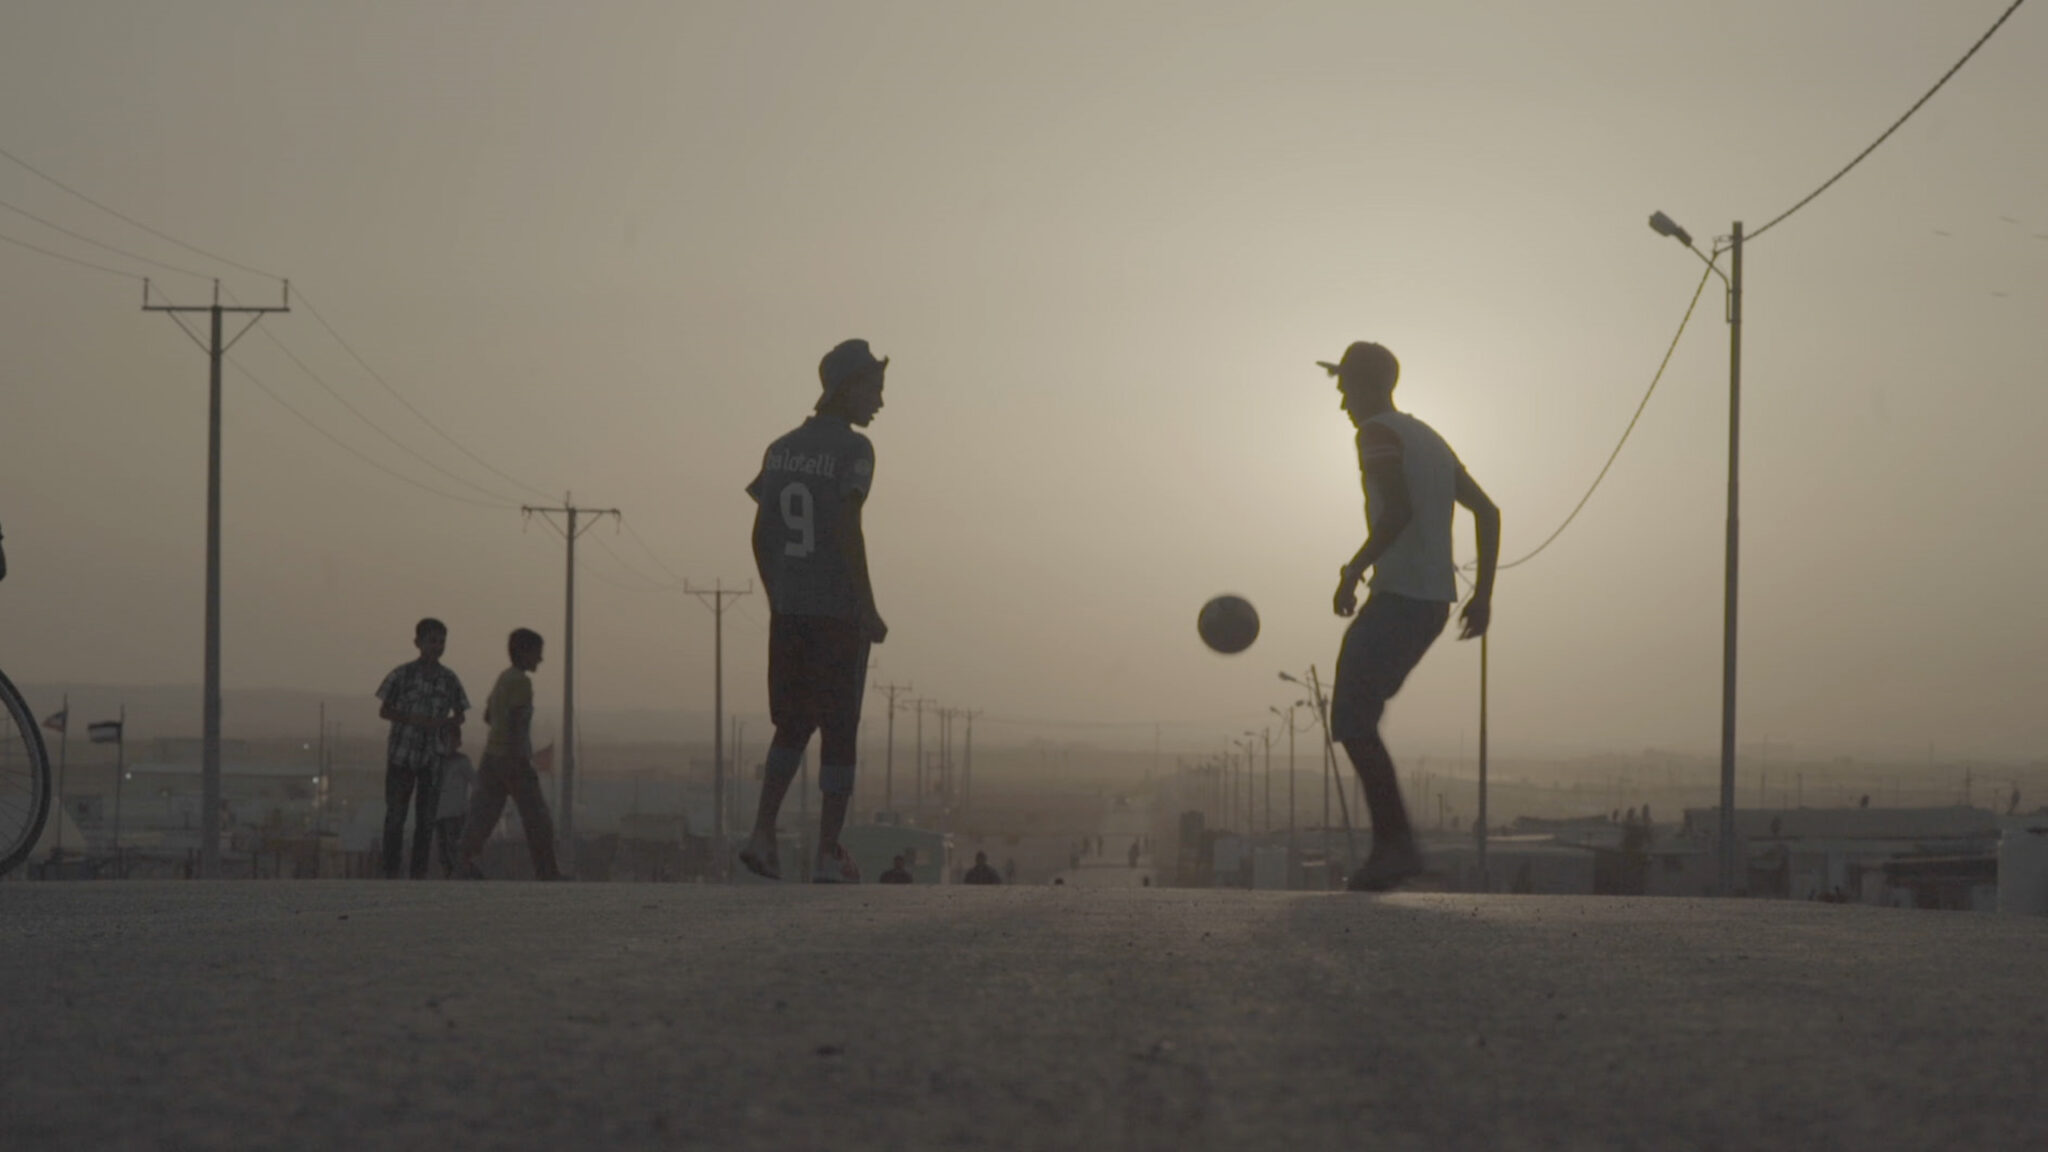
1665	226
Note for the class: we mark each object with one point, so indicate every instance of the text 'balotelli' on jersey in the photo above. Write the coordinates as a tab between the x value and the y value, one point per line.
808	480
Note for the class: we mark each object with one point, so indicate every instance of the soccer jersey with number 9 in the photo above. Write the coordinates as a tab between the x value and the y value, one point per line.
807	479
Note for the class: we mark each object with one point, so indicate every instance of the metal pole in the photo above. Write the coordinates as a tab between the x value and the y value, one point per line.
1290	795
120	781
1728	617
1479	827
209	763
566	832
1266	737
918	773
718	725
889	761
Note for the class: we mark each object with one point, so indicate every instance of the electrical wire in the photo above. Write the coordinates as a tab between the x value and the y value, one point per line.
1625	432
351	449
366	421
644	547
137	223
1957	67
79	236
303	300
71	259
307	302
650	583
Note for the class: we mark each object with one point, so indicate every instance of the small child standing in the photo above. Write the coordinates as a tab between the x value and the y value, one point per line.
507	769
451	805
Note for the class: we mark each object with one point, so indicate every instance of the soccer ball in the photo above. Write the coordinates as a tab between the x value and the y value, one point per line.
1228	624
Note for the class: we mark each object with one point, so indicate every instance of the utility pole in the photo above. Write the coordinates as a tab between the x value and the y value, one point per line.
216	349
570	530
918	793
717	594
889	756
1479	825
1266	738
967	761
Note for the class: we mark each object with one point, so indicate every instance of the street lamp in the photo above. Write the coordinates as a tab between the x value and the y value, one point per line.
1320	701
1250	762
1665	226
1288	716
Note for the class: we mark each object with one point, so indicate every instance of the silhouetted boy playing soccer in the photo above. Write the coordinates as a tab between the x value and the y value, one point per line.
813	562
1412	482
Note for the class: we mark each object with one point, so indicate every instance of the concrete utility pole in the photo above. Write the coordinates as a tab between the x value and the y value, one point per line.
570	529
967	761
918	793
216	349
889	755
717	594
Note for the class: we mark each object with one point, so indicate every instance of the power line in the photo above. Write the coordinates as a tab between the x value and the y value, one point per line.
1957	67
352	450
653	585
423	418
69	259
374	426
83	238
644	547
303	300
136	223
1616	454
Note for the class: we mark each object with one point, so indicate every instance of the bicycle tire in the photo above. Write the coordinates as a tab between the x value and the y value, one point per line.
24	778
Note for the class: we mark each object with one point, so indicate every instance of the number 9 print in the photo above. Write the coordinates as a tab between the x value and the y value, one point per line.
796	514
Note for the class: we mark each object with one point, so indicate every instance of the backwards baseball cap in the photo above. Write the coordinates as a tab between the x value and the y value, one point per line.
850	360
1364	360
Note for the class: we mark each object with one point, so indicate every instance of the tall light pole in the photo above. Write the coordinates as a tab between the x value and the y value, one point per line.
1665	226
1289	717
1251	763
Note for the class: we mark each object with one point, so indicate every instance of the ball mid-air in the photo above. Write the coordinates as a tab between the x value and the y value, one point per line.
1228	624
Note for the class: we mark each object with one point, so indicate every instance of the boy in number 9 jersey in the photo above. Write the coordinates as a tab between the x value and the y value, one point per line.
812	558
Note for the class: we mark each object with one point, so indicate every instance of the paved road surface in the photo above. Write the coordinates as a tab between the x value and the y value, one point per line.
371	1016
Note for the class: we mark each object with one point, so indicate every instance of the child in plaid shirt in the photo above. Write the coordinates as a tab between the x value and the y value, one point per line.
424	702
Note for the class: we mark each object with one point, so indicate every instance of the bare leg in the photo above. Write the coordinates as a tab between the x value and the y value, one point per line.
1394	856
785	756
831	820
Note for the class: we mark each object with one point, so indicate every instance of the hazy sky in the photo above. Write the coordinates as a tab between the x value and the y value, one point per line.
604	245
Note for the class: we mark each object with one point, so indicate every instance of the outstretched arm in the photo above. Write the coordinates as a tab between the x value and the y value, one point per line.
1478	611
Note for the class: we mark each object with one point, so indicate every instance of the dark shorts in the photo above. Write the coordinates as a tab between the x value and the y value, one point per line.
817	673
1385	642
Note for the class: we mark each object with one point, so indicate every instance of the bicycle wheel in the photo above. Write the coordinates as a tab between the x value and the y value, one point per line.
24	778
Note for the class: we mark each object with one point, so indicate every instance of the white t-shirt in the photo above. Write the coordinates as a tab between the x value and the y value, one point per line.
1419	565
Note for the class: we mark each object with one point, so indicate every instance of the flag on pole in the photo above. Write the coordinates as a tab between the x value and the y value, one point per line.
104	731
56	721
544	760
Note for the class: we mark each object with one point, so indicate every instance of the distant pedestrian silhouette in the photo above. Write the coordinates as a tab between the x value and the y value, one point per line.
981	873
